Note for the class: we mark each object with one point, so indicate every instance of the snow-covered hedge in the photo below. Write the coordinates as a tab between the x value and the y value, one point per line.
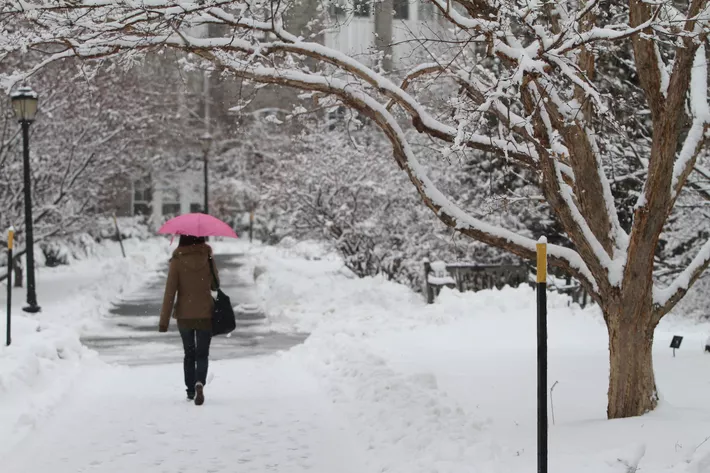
63	250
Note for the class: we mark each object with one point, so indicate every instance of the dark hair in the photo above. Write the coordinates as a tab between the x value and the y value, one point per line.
189	240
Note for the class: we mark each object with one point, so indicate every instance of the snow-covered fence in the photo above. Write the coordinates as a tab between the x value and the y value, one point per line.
565	284
471	276
477	277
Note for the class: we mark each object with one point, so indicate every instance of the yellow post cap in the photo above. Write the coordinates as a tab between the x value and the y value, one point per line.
542	260
10	238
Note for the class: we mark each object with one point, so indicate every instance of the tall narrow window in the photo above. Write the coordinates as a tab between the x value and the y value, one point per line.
426	10
361	8
336	8
401	9
171	201
142	196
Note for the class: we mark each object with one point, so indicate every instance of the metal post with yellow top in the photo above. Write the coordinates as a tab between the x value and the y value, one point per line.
542	355
10	242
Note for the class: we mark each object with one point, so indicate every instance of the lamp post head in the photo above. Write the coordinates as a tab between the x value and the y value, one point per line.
206	142
24	102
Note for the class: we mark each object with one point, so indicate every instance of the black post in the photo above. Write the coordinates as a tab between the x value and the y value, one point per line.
8	330
429	291
118	235
251	226
542	356
32	306
207	191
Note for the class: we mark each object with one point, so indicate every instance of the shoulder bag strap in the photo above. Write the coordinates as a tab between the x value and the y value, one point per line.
214	278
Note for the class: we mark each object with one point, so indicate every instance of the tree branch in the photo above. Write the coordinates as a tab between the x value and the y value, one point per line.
665	299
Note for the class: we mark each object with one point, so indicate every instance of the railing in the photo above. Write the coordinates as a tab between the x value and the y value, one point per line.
571	287
477	277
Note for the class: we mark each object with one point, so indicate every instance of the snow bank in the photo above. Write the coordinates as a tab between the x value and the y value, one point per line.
450	387
46	355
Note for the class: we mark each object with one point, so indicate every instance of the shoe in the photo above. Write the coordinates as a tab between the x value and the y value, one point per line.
199	394
190	396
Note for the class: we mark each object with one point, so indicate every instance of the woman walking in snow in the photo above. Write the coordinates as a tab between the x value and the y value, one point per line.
192	276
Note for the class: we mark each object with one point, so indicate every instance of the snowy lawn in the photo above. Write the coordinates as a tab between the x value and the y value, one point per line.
46	356
450	387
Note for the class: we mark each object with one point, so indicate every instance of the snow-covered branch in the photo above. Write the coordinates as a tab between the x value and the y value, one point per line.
445	209
700	114
550	89
666	298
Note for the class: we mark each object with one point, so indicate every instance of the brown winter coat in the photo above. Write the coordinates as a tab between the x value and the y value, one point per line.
190	278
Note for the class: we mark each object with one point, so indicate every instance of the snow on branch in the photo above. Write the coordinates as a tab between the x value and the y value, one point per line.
585	165
445	209
666	298
700	112
609	33
486	101
567	209
536	47
423	120
476	23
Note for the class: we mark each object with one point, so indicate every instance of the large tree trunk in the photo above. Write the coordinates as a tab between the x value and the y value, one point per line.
632	385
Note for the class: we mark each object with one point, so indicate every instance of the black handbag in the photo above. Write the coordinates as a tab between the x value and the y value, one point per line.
223	320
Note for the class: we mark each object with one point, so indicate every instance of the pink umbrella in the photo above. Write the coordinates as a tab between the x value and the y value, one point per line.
199	225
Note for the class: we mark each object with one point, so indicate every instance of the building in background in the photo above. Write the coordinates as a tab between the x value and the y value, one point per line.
168	195
362	29
359	24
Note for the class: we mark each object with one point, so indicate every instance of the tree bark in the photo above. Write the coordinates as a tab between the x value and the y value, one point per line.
632	384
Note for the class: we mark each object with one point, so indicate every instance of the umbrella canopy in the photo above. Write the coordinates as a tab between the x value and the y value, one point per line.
199	225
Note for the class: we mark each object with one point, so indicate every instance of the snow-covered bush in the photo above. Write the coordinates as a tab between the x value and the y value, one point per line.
335	181
138	227
55	253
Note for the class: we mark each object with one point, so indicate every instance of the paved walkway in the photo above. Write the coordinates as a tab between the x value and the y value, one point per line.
131	336
261	415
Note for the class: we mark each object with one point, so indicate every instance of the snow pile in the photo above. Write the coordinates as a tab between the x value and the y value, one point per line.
46	356
450	387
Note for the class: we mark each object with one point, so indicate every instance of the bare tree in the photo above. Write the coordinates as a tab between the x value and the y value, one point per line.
530	69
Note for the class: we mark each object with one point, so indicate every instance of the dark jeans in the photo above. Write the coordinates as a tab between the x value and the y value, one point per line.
197	351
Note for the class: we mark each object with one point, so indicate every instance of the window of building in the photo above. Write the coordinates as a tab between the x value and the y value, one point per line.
361	8
142	196
427	10
401	9
171	201
336	8
195	208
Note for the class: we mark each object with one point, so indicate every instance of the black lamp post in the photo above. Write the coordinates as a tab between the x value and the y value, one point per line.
24	102
206	142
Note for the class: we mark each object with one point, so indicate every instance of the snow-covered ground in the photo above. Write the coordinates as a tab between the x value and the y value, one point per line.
46	357
451	387
384	383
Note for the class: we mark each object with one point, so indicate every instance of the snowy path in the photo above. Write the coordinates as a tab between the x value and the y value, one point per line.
128	334
261	414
